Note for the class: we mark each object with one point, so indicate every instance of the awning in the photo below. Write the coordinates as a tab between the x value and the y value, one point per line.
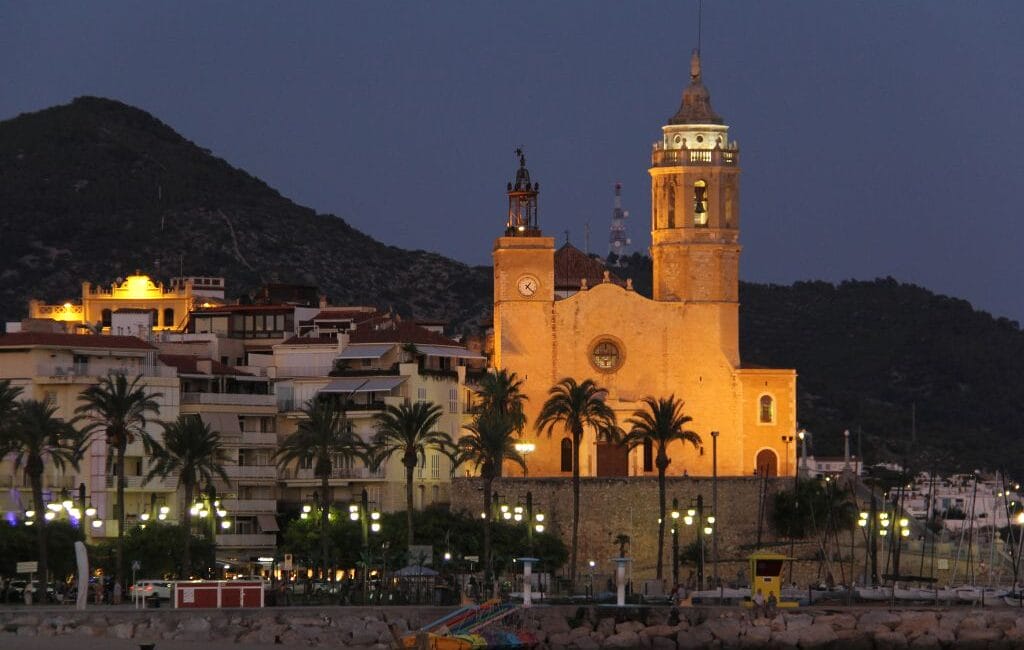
362	384
447	351
365	350
223	423
268	523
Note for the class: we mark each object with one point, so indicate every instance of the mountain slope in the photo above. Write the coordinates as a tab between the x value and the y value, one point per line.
95	189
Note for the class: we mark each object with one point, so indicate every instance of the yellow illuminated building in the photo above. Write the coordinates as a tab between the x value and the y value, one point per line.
683	342
166	308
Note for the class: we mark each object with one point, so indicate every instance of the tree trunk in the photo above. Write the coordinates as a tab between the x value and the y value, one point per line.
661	519
408	501
186	518
487	565
36	479
119	569
577	439
325	510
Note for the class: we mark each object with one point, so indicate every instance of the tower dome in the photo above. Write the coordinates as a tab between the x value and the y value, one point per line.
696	105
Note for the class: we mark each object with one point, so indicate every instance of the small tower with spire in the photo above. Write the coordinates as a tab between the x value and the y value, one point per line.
618	238
522	203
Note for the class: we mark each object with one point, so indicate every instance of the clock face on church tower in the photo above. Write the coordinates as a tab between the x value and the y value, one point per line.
527	285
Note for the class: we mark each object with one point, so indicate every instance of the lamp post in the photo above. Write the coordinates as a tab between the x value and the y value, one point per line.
369	521
705	526
675	542
210	506
714	506
803	435
787	440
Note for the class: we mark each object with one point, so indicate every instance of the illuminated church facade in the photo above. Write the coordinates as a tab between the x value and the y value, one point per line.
684	341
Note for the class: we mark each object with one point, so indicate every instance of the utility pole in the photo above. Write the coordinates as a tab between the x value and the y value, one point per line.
714	506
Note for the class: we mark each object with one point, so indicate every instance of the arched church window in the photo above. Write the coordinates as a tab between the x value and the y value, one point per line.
606	356
105	317
767	409
700	204
648	455
168	317
566	465
670	197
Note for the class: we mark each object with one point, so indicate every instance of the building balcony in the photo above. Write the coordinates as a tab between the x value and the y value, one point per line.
257	439
73	372
363	473
267	472
710	157
138	483
252	540
250	506
229	399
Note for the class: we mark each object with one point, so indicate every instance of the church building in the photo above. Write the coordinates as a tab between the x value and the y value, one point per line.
684	341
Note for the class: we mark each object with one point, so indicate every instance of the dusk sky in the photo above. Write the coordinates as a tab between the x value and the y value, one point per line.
876	138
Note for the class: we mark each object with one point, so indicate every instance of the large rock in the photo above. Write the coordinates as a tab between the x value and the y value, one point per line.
798	622
585	643
837	621
926	641
726	630
816	636
977	637
914	624
695	637
888	640
121	630
559	640
626	639
853	639
756	637
667	631
872	620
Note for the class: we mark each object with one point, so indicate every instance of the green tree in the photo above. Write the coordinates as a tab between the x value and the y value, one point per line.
323	437
192	453
35	439
812	507
409	431
488	443
576	407
8	403
119	409
502	392
660	423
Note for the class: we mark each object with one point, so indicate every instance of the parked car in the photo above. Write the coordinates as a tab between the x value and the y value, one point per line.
149	588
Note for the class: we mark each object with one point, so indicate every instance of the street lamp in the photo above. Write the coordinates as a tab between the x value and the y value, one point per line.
803	435
207	506
525	448
675	542
705	526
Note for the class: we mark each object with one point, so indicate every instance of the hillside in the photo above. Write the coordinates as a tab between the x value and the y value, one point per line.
96	189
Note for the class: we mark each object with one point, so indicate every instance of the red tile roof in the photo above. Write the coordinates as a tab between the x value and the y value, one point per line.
572	264
243	309
188	364
47	339
400	332
346	313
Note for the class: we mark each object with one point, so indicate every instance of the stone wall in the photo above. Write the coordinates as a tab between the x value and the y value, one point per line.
610	506
553	628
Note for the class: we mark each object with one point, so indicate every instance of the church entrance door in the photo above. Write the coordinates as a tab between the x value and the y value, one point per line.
612	460
767	463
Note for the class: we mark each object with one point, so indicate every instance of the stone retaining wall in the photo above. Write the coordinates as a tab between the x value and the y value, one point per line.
555	628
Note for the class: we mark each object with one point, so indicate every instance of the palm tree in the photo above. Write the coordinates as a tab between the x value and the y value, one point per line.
502	392
120	409
661	423
193	453
8	404
36	438
490	441
409	432
323	437
577	407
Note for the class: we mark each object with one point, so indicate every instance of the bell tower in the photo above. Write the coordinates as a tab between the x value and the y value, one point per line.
524	279
695	203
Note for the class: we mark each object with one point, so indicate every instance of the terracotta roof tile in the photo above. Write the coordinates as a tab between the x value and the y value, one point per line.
47	339
400	332
572	265
189	364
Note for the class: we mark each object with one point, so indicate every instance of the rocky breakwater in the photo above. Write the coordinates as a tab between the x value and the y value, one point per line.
358	628
721	628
